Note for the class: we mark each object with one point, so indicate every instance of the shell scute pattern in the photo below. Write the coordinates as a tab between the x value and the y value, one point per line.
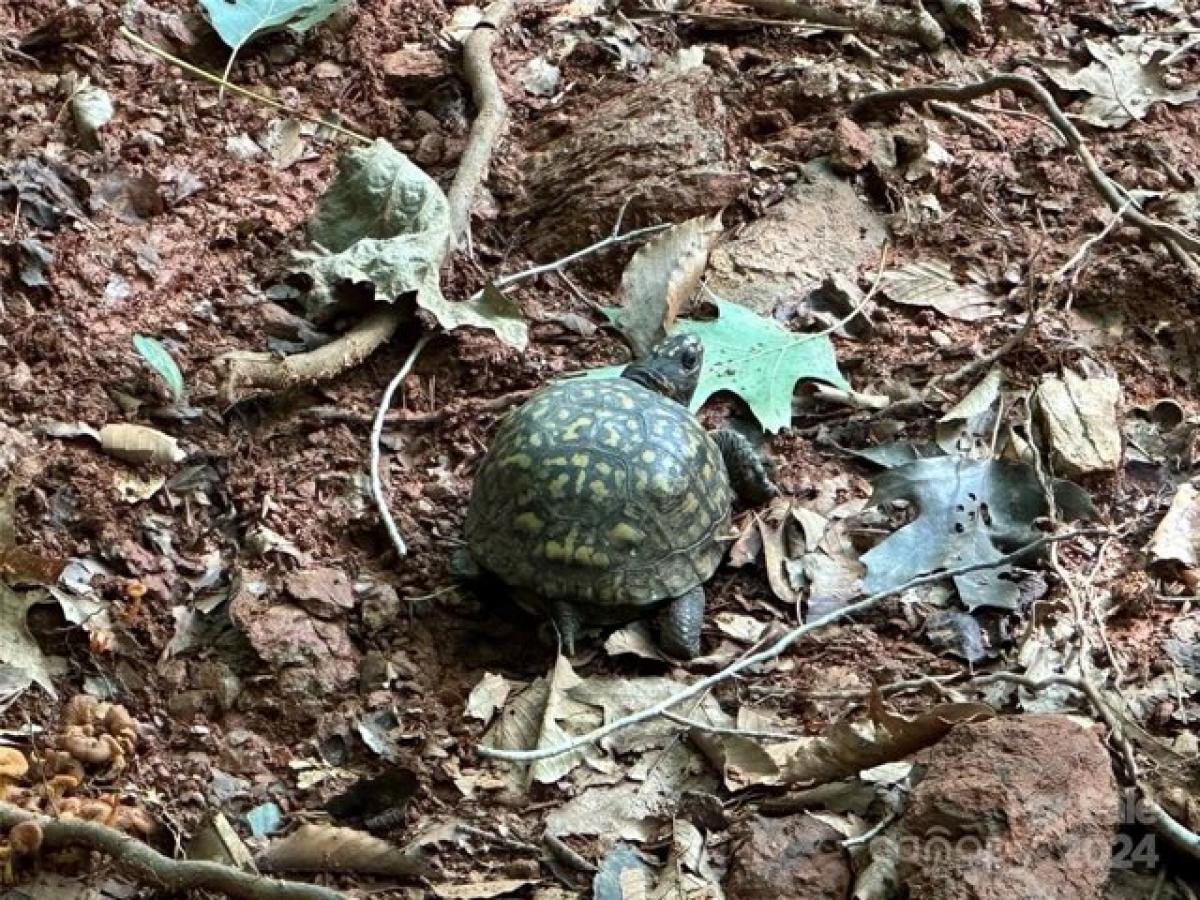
601	492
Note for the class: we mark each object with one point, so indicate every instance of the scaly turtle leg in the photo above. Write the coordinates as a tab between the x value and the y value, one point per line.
680	622
747	473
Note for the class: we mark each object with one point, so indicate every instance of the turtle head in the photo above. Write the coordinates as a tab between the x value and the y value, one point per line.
671	367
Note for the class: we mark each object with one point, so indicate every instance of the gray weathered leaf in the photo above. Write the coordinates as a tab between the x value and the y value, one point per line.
92	108
971	511
931	283
383	228
1121	86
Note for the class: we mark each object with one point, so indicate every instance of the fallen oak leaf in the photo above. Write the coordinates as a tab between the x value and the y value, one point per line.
755	358
662	276
239	21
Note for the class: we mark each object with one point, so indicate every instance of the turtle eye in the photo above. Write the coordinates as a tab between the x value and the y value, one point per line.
689	359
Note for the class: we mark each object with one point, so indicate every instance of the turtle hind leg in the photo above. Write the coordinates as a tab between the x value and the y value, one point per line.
747	473
568	624
680	622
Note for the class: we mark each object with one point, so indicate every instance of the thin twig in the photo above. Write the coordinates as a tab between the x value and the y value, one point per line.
499	840
986	361
971	118
1112	223
719	729
237	88
643	13
704	684
1179	242
563	852
376	438
559	264
148	866
398	417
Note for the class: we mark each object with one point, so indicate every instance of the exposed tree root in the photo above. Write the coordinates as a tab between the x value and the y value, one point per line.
149	867
914	25
1181	244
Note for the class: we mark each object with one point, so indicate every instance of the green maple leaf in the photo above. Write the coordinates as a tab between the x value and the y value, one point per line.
755	358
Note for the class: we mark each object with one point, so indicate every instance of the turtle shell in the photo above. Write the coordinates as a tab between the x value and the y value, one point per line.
601	492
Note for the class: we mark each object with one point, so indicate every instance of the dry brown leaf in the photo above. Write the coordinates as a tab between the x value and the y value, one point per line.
535	718
850	746
772	526
488	696
634	639
662	277
139	444
325	848
746	546
1177	537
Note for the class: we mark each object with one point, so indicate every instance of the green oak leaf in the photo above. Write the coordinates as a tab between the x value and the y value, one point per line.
238	21
755	358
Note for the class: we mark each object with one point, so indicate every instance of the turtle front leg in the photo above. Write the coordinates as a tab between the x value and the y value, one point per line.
747	473
680	622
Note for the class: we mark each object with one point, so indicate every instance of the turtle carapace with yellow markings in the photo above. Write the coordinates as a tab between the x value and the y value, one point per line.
602	501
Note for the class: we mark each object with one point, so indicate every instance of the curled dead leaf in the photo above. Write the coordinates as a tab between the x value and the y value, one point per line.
662	277
849	746
139	444
324	848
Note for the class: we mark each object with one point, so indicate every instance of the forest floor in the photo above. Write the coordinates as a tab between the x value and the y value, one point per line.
244	602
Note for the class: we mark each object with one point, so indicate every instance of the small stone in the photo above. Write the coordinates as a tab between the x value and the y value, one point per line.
380	608
187	706
375	671
324	592
1017	806
223	787
424	122
851	150
770	121
1080	418
429	149
797	857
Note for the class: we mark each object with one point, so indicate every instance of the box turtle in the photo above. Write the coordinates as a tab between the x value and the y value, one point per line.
603	501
